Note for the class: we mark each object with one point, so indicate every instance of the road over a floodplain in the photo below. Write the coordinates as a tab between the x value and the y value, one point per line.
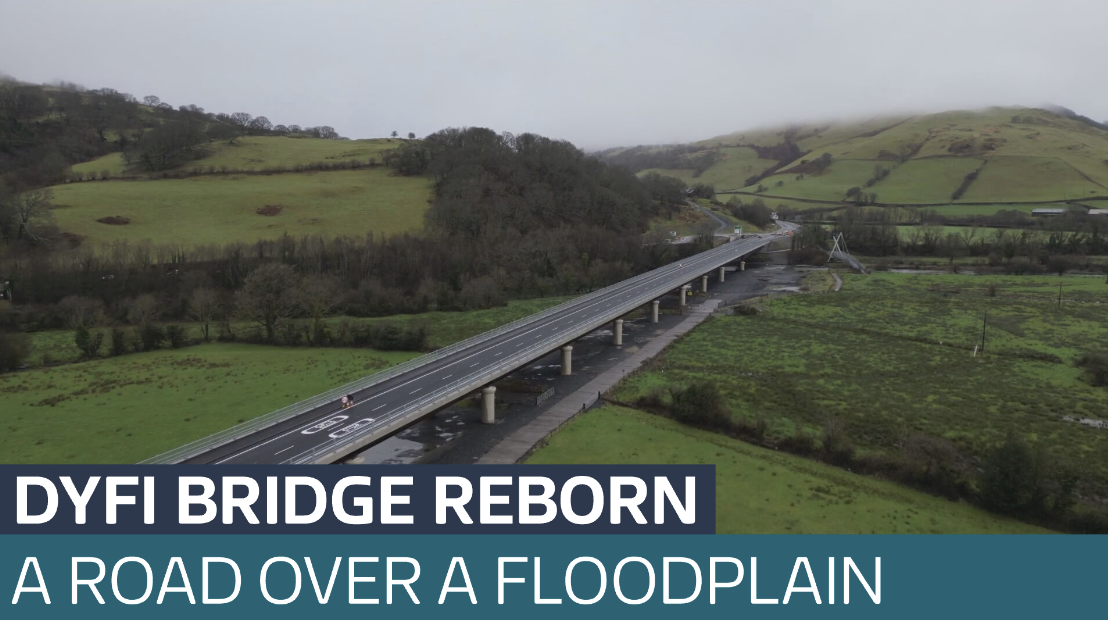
319	430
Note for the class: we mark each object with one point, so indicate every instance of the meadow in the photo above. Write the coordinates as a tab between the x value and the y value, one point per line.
761	491
891	355
223	209
125	409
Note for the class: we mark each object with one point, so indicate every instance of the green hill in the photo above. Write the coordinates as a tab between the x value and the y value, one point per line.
993	156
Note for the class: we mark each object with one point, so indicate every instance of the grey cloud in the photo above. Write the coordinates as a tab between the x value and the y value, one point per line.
596	73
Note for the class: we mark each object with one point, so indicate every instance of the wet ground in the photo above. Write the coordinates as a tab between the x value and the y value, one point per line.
456	435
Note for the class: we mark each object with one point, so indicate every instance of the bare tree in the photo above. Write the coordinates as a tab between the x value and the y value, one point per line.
411	135
82	311
321	295
143	310
394	134
151	100
203	307
260	124
269	296
241	121
25	216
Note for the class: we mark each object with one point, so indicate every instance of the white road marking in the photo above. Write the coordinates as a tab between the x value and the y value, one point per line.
378	407
285	450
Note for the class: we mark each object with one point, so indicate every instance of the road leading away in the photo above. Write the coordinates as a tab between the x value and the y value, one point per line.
327	433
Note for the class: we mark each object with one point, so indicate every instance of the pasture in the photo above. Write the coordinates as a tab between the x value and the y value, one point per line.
243	208
760	491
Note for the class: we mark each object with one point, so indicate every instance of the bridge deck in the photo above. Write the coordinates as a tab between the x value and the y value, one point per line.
320	431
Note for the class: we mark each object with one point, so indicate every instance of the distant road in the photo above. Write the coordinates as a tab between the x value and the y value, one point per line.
326	433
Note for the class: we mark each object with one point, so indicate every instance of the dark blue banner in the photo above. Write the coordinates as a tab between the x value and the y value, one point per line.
419	499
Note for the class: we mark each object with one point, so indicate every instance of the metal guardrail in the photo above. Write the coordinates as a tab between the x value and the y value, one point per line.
465	385
283	414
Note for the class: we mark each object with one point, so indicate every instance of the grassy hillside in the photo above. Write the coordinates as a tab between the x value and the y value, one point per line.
220	209
760	491
1023	155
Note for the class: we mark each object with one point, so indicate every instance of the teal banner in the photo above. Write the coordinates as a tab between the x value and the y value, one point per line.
223	576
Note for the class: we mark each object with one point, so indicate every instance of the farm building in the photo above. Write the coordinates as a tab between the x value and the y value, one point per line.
1047	212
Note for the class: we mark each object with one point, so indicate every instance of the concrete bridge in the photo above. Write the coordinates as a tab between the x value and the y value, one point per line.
318	430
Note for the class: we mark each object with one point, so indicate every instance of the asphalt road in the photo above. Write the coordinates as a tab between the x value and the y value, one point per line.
380	409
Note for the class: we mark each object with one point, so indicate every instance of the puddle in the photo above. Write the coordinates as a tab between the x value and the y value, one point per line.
1087	421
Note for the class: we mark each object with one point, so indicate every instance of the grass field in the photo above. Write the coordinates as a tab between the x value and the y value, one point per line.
257	152
831	185
125	409
924	180
892	354
760	491
112	163
222	209
443	328
1028	179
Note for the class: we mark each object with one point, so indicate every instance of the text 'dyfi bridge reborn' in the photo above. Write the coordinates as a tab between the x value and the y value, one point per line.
320	430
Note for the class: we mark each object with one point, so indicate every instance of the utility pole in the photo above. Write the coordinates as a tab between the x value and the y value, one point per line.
984	322
1059	294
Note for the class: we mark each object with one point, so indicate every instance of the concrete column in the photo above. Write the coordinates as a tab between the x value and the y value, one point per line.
488	402
704	283
654	310
721	275
617	332
567	360
681	295
742	265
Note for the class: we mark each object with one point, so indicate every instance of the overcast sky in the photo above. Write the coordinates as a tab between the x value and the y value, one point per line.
600	73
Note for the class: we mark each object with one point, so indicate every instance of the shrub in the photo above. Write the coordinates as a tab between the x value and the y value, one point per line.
836	446
87	342
152	337
1008	478
14	348
119	342
176	335
1095	366
701	404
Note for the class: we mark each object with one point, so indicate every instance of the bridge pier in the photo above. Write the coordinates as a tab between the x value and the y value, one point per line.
488	405
681	295
654	311
704	283
721	276
567	360
617	332
742	265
